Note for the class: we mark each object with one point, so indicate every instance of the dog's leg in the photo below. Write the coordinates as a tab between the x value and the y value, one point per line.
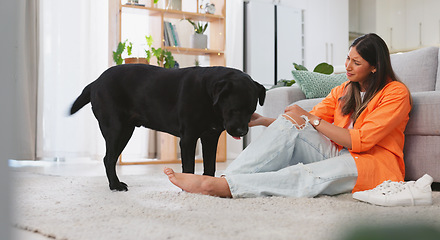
116	139
188	152
209	147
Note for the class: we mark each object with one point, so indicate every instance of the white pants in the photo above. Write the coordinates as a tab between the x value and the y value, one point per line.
291	162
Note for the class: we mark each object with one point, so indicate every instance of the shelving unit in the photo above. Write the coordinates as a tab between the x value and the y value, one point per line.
217	28
215	51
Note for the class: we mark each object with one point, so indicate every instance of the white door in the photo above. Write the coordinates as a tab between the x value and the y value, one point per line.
260	42
289	40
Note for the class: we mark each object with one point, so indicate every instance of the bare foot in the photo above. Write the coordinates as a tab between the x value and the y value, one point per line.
192	183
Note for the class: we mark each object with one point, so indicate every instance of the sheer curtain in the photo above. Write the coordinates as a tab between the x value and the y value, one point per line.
73	52
19	79
17	95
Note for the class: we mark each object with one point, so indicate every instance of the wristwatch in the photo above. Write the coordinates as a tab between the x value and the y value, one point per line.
316	122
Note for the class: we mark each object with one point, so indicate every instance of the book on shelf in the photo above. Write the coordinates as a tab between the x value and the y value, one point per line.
165	34
135	3
176	36
170	35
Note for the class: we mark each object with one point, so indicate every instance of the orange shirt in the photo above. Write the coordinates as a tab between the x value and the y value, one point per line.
377	137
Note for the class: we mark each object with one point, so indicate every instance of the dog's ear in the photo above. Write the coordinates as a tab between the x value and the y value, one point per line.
219	89
261	93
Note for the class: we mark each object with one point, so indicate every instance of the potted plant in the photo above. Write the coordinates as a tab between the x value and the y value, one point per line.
130	60
198	39
164	57
117	55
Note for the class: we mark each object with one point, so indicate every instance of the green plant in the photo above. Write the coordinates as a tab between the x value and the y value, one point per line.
164	56
283	83
117	55
199	27
129	48
149	39
323	68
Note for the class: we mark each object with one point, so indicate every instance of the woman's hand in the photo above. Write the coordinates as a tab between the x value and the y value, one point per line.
337	134
258	120
295	112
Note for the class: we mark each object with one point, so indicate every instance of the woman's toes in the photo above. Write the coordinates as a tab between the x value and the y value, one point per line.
168	171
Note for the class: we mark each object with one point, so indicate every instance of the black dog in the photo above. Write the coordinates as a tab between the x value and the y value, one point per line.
190	103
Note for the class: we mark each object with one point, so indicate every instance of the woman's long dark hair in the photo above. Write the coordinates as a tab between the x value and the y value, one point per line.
374	50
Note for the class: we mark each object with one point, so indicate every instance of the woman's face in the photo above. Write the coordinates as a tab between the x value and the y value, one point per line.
358	69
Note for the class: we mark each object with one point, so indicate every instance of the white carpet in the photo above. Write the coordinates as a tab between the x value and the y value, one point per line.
80	208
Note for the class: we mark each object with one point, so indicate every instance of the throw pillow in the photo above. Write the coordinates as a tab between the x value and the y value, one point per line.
317	85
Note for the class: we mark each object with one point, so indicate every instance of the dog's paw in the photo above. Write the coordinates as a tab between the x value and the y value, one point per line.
119	187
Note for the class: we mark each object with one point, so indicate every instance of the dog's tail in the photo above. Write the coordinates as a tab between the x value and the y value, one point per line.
82	100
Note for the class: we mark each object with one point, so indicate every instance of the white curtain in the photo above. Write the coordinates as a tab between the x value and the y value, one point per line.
73	52
19	78
17	95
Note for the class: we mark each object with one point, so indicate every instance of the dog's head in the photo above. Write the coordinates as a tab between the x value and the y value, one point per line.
236	98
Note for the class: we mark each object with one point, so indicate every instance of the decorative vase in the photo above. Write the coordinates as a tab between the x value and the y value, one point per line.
174	4
199	41
132	60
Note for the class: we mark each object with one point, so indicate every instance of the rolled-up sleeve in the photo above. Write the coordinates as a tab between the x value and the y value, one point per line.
383	121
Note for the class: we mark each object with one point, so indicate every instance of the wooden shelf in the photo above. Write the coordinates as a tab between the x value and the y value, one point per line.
193	51
169	13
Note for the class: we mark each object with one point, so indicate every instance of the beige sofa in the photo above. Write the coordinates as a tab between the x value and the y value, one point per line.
420	71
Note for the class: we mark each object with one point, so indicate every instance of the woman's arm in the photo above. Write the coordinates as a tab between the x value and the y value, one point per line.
337	134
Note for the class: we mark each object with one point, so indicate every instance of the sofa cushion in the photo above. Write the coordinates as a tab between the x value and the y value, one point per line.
421	156
317	85
308	104
277	99
424	118
437	83
417	69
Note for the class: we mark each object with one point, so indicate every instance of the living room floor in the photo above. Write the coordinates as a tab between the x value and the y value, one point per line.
86	167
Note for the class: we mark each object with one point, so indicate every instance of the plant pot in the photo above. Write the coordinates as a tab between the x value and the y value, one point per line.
199	41
136	60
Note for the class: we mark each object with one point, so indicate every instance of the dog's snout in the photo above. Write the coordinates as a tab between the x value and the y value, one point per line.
242	131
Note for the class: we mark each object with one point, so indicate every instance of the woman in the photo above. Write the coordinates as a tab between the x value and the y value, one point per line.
352	141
